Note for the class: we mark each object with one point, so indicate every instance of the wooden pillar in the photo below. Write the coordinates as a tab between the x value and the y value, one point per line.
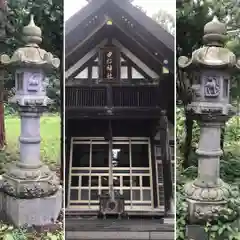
67	161
110	159
166	160
154	173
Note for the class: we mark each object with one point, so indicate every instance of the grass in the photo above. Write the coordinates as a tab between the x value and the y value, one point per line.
50	134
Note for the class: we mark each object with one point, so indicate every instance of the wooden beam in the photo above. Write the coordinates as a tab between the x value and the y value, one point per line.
70	60
131	64
166	95
73	22
117	113
138	42
135	60
129	69
146	23
84	40
139	51
154	172
156	47
89	73
85	65
166	160
70	72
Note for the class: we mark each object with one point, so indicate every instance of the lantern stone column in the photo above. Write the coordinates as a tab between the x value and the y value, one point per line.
33	194
210	69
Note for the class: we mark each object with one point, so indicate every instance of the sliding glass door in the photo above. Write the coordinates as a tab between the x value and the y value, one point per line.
90	172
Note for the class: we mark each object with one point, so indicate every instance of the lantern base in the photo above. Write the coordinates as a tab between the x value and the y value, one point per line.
28	212
196	232
206	203
29	182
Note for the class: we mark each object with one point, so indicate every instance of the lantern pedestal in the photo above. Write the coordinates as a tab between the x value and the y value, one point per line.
33	194
208	193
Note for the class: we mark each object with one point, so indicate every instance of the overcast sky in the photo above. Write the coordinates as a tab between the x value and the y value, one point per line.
151	6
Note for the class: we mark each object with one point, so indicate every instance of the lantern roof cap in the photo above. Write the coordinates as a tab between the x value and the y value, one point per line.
215	33
215	26
32	34
213	54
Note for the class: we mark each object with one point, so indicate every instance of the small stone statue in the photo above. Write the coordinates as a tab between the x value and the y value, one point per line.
211	87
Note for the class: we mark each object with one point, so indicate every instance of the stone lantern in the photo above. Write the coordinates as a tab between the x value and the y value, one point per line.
32	192
210	71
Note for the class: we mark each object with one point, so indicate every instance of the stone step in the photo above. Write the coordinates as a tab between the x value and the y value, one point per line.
169	220
77	235
117	225
156	214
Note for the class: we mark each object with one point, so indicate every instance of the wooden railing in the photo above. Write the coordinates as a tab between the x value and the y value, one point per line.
86	96
112	96
135	96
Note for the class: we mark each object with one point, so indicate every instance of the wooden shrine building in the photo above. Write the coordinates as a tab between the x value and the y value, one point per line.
119	104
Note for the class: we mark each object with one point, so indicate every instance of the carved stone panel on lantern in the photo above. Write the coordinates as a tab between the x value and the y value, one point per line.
30	87
215	86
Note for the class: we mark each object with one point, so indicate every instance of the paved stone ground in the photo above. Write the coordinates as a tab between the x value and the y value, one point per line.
123	229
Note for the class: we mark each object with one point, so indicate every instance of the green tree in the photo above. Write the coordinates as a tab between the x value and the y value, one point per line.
4	28
166	20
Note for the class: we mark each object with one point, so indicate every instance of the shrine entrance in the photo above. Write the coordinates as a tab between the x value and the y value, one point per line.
96	163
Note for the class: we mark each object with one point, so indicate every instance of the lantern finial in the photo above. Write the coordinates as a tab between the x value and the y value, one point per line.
214	33
32	34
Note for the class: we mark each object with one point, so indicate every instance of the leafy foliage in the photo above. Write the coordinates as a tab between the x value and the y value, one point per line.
193	15
223	227
48	16
181	212
166	20
8	232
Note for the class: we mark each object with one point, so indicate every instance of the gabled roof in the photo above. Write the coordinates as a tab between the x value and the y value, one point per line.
146	22
138	33
131	20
